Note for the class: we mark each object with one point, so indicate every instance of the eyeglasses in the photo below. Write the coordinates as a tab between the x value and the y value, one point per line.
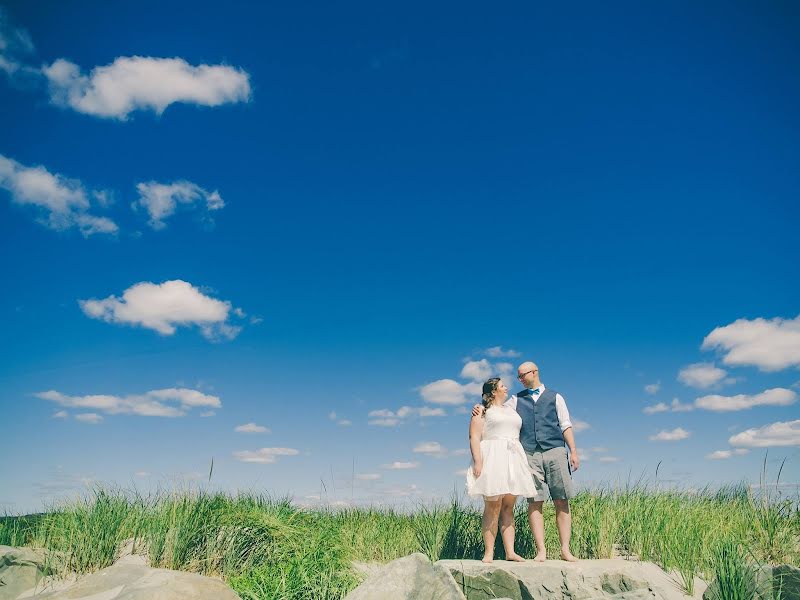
521	375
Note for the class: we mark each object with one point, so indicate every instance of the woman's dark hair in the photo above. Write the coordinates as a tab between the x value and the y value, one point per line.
489	388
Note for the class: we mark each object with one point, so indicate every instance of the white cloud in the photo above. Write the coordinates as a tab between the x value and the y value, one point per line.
155	403
398	465
426	411
161	200
61	203
652	388
655	408
723	454
477	370
142	474
133	83
164	307
344	422
14	42
782	433
580	425
676	406
264	455
92	418
448	391
61	414
368	476
498	352
251	428
600	449
770	345
389	418
431	449
609	459
772	397
701	375
670	436
384	422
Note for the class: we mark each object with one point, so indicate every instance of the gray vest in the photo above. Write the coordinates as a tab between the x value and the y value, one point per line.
540	429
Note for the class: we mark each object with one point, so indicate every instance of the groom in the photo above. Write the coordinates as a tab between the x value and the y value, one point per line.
545	428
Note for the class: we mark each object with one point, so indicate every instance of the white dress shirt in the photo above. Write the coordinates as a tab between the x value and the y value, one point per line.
561	407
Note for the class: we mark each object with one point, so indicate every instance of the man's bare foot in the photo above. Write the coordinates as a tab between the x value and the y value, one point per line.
515	557
487	559
540	557
567	555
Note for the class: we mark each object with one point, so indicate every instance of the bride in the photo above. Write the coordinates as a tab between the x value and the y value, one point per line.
500	469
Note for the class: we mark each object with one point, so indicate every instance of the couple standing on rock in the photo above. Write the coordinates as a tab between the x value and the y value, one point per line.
518	449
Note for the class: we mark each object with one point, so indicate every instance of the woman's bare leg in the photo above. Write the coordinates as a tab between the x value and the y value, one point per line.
491	510
507	527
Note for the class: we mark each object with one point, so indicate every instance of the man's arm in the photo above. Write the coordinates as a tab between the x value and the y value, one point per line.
567	431
569	437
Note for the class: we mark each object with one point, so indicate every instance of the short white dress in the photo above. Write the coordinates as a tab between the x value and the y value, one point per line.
505	466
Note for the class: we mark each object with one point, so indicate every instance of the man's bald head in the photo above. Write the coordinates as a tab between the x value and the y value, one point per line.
528	374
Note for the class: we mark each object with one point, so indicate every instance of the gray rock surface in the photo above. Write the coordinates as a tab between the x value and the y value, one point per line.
128	580
20	569
24	575
616	579
412	577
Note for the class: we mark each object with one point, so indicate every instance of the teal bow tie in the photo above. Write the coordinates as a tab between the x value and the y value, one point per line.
535	392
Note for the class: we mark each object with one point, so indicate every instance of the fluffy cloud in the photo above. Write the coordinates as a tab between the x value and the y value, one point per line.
652	388
772	397
398	465
341	422
264	455
449	391
723	454
782	433
389	418
770	345
161	200
143	83
163	307
580	425
498	352
169	402
609	459
368	476
670	436
92	418
477	370
251	428
61	203
431	449
701	375
674	406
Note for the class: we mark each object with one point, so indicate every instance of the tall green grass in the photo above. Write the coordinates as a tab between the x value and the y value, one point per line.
271	548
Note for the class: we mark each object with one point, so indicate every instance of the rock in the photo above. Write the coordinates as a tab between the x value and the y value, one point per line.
128	580
412	577
555	579
21	569
785	582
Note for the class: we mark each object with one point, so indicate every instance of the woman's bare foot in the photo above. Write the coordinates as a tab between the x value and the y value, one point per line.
515	557
487	558
567	555
540	557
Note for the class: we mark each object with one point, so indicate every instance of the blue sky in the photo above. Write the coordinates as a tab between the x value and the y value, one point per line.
296	216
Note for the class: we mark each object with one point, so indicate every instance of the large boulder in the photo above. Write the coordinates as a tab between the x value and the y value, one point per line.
25	573
616	579
412	577
21	569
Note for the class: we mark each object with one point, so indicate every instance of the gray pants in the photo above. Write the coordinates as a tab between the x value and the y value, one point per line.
551	472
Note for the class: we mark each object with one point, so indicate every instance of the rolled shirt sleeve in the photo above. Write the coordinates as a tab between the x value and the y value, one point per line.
563	413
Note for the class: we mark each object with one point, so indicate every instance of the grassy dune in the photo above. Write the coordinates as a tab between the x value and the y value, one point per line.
268	548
